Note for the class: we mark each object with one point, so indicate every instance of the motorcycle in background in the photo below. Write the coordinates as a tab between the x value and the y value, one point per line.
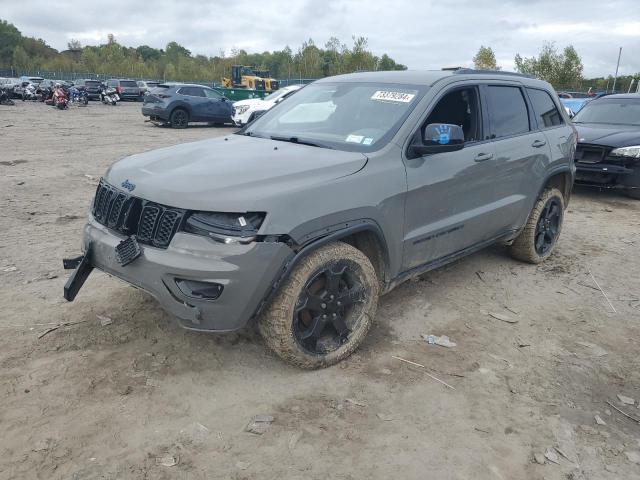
60	97
4	98
29	91
78	96
109	96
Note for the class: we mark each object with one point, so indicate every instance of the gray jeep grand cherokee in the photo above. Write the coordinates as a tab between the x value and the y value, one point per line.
335	196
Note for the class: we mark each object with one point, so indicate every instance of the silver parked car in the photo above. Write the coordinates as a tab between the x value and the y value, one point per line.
356	183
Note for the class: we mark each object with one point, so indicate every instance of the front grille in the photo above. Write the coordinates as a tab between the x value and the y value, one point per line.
590	153
151	223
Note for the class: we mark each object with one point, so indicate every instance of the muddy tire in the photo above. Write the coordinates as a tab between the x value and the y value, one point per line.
542	230
324	309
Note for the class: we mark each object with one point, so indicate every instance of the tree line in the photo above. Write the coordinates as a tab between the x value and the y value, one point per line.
175	62
561	68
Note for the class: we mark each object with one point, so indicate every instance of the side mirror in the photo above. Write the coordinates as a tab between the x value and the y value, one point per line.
440	138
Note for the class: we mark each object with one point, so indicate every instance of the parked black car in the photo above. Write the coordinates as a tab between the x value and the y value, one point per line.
127	89
608	153
92	87
179	104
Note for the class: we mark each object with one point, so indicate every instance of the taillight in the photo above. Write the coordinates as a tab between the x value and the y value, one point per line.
118	89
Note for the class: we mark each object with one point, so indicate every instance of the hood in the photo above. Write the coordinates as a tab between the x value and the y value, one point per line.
608	135
235	173
252	102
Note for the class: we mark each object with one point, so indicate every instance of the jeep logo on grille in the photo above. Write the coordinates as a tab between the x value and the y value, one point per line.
128	185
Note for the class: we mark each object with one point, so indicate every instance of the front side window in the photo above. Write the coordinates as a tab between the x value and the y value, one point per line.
212	94
352	116
544	108
508	111
459	107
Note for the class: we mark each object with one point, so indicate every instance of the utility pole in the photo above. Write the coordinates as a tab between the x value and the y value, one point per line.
616	75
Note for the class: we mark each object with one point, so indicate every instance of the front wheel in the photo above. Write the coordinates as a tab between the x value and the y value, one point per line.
540	234
324	310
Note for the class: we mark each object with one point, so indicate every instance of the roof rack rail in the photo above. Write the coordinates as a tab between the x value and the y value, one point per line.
469	71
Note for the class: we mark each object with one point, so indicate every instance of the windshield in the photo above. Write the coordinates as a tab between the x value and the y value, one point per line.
610	110
275	95
346	116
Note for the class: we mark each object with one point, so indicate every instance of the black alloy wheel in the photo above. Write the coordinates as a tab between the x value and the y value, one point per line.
323	316
548	226
179	118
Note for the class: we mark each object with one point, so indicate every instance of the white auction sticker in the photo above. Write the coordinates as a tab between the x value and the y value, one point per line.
387	96
354	138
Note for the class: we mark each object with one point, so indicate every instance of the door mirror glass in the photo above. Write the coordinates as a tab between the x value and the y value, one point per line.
440	138
442	134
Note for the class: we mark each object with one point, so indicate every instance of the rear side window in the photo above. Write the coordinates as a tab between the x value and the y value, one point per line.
509	114
544	108
191	91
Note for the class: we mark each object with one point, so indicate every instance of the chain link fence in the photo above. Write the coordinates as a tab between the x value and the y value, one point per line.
71	76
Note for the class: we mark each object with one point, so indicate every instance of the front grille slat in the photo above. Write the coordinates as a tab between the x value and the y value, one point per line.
147	223
151	223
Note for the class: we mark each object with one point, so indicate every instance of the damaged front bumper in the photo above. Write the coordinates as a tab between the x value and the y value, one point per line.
182	276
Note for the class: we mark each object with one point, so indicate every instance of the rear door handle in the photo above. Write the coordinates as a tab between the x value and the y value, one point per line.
481	157
538	144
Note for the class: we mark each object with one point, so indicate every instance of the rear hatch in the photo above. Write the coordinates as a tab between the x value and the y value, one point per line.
93	86
129	87
157	94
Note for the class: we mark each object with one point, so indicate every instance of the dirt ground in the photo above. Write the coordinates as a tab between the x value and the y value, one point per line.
141	398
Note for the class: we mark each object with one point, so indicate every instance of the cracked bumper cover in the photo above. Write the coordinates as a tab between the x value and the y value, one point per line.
247	273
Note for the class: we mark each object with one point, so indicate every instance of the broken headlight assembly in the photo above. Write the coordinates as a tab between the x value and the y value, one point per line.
225	227
629	152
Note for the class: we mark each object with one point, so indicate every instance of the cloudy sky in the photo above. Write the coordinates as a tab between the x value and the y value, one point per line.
421	34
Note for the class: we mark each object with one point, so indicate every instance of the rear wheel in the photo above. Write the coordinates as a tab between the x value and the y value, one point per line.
179	118
325	308
540	235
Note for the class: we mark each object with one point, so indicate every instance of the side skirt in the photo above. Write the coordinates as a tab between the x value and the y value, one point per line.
426	267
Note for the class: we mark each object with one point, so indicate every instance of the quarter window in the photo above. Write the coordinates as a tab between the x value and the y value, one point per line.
545	108
509	114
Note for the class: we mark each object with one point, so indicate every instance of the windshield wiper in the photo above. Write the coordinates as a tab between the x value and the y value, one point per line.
298	141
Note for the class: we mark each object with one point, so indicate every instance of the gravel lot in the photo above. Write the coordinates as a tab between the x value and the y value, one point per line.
142	398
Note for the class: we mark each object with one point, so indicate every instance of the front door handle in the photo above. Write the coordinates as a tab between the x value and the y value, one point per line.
538	144
481	157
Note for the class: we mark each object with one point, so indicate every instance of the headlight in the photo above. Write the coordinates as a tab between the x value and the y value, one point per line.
633	152
240	109
225	227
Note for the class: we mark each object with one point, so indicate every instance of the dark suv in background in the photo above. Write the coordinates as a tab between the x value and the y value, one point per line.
92	87
127	89
608	153
179	104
